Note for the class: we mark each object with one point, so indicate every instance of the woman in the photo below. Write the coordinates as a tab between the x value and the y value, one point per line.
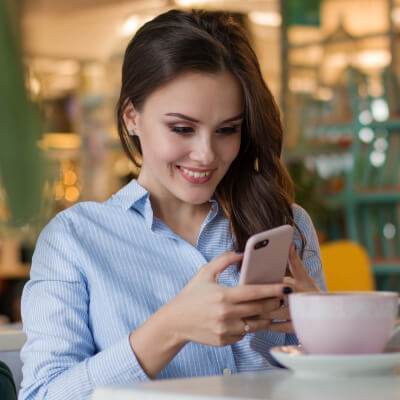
144	285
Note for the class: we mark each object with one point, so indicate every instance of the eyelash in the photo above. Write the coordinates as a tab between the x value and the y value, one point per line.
185	130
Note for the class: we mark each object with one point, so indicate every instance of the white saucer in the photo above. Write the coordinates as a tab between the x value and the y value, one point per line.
295	358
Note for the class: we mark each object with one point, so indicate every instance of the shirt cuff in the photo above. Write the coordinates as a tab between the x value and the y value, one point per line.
116	365
291	339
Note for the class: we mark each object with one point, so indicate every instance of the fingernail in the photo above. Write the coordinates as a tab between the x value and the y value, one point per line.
239	251
287	290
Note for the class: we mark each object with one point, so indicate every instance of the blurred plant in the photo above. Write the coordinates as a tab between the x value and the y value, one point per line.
21	167
305	195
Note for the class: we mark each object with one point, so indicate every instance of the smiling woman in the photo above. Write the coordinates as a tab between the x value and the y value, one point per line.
212	50
145	285
188	142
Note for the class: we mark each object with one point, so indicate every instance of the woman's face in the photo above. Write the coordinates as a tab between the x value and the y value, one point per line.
189	130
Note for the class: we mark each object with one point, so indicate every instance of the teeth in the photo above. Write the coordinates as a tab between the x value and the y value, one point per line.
195	174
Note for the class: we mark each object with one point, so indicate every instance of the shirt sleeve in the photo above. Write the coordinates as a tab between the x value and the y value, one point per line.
60	359
311	256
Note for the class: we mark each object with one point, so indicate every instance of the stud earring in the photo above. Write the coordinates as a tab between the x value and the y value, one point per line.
131	132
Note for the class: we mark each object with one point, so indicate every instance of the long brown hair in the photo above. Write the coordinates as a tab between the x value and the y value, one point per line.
257	191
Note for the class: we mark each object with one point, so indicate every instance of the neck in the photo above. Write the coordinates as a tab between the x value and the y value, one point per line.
175	212
184	219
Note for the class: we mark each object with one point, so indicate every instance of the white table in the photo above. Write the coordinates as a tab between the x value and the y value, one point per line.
271	385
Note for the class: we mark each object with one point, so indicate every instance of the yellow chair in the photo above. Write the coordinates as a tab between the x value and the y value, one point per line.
347	266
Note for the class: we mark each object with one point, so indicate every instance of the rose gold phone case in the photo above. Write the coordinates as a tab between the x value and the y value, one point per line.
266	264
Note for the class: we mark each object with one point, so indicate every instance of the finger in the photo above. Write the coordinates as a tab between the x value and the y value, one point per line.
295	285
245	310
303	281
233	339
283	314
218	264
296	266
270	306
254	309
282	327
244	293
254	325
288	280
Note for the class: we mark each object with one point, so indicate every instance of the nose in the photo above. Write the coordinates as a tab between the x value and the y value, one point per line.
203	150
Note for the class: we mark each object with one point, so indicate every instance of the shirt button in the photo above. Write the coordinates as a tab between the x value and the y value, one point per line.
227	371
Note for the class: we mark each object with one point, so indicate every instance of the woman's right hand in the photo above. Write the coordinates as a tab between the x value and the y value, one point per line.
204	312
208	313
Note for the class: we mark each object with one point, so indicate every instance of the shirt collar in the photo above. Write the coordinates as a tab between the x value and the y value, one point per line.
214	205
132	195
135	196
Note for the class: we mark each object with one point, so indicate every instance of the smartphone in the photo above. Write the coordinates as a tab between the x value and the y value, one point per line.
266	256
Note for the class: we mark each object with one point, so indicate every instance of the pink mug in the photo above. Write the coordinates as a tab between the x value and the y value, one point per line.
344	322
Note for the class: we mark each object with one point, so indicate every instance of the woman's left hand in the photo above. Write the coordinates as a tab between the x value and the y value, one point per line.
300	281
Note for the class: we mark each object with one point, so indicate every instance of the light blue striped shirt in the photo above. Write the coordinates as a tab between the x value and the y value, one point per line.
99	271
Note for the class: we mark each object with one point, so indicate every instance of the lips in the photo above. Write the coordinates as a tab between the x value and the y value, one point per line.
196	175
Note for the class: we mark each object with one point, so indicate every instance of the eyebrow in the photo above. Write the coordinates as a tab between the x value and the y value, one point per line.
186	117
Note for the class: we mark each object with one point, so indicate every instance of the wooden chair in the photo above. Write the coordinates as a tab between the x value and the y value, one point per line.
347	266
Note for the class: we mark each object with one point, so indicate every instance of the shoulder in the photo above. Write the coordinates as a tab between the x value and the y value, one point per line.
64	240
305	225
80	215
301	217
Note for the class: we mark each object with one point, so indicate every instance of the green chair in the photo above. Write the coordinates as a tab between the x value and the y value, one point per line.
8	390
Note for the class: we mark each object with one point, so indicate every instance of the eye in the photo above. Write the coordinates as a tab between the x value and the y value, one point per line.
181	129
228	130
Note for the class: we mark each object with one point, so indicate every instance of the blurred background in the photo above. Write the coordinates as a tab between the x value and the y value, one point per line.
333	66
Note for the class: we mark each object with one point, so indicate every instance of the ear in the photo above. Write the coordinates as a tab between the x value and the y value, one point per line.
130	117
